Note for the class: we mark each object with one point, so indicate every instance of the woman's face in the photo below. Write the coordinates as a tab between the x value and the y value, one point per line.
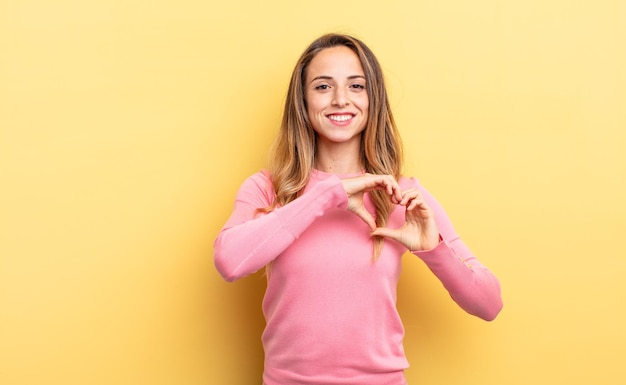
336	95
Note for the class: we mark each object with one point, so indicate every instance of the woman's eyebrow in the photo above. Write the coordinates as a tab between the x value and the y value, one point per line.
321	77
326	77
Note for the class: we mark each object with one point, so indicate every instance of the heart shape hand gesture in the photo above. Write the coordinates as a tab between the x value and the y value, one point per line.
419	231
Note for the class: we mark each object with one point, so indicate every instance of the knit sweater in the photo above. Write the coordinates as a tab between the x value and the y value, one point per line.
330	308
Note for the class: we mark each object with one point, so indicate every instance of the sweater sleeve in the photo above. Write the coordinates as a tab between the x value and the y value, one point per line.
470	284
250	240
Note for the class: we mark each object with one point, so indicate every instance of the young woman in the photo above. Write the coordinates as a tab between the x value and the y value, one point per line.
331	219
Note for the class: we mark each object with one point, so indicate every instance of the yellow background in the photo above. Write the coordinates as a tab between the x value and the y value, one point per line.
127	127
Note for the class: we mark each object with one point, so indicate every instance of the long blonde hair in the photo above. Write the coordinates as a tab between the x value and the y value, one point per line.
293	153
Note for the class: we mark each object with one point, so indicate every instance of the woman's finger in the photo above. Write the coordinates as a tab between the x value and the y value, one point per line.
408	195
392	188
369	182
387	233
415	202
365	215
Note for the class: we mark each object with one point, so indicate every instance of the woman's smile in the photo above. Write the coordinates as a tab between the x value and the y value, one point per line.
341	119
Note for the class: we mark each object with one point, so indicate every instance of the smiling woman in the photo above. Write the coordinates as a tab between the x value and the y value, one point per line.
337	106
333	217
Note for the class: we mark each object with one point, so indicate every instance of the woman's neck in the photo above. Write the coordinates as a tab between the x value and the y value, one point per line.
338	159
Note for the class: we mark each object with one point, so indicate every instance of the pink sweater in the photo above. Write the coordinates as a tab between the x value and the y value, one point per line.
330	308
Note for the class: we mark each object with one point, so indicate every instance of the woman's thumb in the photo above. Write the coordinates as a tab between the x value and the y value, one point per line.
384	232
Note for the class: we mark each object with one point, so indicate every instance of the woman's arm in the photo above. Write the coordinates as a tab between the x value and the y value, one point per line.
470	284
250	240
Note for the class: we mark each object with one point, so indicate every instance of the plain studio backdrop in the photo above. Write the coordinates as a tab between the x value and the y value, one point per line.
126	128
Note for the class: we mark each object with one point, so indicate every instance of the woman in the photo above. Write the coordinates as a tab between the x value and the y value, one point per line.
331	219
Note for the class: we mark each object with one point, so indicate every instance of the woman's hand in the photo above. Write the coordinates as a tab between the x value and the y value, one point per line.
355	187
419	231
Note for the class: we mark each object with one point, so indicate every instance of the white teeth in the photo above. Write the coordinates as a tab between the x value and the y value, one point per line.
340	118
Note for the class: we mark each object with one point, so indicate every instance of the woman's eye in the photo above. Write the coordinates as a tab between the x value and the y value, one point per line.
358	86
322	87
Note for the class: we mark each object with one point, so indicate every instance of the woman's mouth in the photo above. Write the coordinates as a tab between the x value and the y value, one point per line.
340	118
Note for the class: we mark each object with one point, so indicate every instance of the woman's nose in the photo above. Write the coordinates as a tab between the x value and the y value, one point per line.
340	97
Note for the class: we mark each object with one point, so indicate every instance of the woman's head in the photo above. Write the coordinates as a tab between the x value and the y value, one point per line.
380	128
293	154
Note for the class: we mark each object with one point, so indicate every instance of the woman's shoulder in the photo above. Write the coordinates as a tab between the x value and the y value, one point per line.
259	182
408	182
262	175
